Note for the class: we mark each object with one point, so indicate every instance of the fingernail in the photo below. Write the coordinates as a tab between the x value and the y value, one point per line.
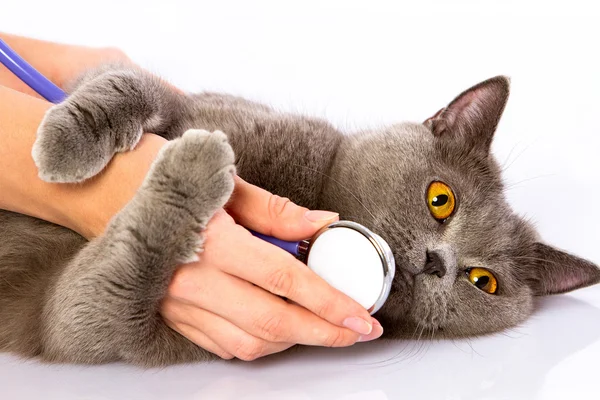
358	325
375	333
320	216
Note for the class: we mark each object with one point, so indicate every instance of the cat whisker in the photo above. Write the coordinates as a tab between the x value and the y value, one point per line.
512	185
509	336
426	343
457	346
516	331
409	349
419	343
413	342
395	358
472	348
506	161
506	167
400	356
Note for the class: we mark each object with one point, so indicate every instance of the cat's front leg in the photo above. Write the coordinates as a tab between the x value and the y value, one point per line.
107	113
105	305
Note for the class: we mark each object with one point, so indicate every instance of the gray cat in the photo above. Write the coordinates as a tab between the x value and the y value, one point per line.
467	265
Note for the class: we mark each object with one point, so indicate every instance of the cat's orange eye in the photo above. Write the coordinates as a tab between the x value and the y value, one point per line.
440	200
483	279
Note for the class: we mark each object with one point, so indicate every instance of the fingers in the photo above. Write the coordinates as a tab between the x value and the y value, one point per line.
259	210
216	334
256	311
198	338
274	270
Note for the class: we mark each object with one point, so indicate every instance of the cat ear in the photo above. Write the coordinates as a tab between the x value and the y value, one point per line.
473	115
554	271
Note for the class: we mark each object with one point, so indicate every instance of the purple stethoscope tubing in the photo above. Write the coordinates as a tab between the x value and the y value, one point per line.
291	247
24	71
48	90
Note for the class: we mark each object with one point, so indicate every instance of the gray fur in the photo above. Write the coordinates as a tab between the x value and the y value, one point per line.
69	301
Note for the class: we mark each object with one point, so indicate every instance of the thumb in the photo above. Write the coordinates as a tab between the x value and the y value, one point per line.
269	214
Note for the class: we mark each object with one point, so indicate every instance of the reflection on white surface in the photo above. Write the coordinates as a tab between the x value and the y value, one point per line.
553	356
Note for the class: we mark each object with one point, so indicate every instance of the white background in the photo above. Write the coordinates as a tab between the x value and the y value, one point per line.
364	64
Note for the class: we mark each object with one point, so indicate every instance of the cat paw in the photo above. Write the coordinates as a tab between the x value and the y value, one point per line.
196	172
76	141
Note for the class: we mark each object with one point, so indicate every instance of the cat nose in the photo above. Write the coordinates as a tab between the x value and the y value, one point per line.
434	265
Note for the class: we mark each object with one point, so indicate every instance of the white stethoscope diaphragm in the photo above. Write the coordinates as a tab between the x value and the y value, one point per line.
349	257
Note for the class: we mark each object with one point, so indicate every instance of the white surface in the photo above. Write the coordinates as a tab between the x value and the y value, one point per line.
349	262
364	64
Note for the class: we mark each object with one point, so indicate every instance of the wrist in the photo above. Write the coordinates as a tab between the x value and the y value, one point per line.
84	207
99	199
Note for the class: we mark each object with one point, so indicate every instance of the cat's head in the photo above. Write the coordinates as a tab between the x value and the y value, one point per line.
466	263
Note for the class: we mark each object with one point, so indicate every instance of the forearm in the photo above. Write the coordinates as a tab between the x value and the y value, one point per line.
85	208
60	63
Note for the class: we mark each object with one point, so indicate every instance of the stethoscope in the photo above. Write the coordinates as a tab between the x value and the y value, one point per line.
350	258
345	254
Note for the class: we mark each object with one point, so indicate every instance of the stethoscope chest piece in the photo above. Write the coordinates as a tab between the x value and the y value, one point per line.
355	261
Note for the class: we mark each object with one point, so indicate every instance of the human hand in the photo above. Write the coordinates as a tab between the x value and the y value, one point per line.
229	302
